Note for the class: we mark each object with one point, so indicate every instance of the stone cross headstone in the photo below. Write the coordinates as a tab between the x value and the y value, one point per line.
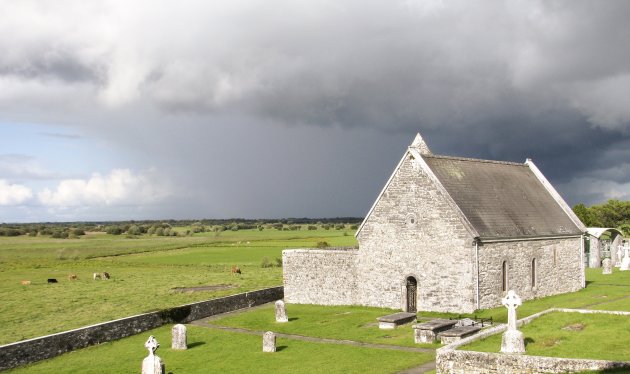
179	337
625	263
512	341
281	312
619	256
607	266
269	342
152	364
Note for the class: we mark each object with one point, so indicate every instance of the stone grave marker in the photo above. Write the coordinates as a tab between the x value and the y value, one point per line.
512	340
152	364
179	337
607	266
625	262
269	342
281	312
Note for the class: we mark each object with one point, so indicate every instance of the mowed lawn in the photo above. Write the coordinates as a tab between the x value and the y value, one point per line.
145	271
337	322
213	351
574	335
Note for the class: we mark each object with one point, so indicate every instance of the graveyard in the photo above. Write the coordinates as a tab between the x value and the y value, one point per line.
310	339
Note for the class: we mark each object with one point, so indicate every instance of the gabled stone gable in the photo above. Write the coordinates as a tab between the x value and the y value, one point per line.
414	230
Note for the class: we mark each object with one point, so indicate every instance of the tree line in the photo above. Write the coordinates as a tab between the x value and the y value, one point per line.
64	230
612	214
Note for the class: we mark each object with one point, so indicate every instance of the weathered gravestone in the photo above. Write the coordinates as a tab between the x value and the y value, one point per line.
607	266
512	341
281	312
152	364
179	337
269	342
625	262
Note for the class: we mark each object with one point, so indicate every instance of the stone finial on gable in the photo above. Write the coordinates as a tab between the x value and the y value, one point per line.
420	145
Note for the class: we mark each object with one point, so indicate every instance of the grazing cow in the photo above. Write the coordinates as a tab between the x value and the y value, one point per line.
103	275
236	270
25	283
52	280
72	277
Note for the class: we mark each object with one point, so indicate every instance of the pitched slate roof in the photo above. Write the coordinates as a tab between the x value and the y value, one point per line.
501	199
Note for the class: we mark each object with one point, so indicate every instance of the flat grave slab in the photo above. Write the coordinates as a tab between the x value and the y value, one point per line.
426	332
457	333
390	321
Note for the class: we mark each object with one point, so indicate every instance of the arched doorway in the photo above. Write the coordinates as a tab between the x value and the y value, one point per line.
412	292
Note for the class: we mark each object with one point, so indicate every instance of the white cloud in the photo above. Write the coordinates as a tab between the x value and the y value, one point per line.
13	194
121	187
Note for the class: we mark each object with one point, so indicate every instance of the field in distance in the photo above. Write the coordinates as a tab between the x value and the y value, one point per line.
148	273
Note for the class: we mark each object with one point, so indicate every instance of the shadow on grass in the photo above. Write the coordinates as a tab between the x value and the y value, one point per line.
609	371
281	348
529	340
293	319
195	344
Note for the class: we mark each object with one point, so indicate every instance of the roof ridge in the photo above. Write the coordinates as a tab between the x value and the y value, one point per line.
474	160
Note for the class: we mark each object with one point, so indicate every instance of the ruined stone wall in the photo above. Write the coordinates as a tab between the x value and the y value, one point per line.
37	349
414	231
558	268
320	276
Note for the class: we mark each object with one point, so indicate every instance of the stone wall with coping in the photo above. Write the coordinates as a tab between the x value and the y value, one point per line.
413	230
320	276
449	360
558	268
41	348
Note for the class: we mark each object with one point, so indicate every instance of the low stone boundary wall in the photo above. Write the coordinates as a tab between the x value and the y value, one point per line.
450	360
320	276
41	348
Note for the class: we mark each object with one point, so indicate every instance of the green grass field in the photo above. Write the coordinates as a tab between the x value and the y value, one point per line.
336	322
144	271
572	335
213	351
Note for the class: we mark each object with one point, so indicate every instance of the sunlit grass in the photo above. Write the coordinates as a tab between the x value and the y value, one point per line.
144	272
572	335
337	322
213	351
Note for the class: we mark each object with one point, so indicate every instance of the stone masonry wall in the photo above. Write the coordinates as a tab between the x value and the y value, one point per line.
414	231
37	349
320	276
470	362
558	268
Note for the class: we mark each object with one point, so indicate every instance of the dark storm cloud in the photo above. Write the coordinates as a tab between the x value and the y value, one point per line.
181	86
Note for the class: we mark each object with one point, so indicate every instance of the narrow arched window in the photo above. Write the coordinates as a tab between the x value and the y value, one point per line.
533	273
504	276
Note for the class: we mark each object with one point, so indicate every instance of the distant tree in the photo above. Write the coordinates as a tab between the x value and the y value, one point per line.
582	212
78	232
133	230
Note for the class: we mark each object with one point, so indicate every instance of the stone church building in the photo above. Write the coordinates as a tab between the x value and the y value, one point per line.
448	234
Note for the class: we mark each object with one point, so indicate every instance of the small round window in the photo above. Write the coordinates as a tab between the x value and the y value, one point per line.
411	219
